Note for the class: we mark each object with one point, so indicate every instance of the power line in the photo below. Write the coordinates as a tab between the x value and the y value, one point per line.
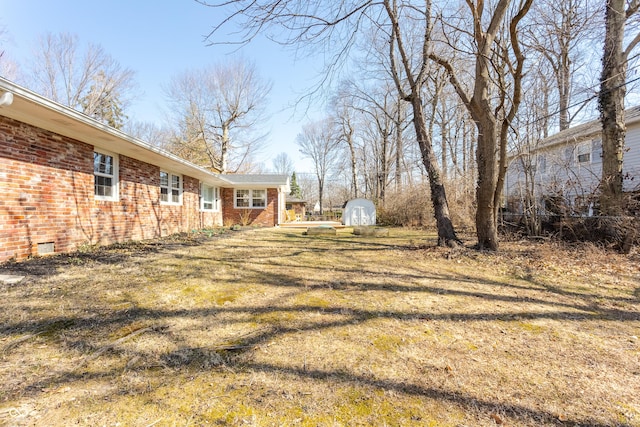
592	97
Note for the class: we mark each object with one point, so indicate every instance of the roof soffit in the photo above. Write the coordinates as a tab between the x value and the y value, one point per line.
33	109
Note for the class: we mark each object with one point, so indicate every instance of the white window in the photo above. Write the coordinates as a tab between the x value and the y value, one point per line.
105	176
170	188
255	199
542	163
583	152
210	198
258	198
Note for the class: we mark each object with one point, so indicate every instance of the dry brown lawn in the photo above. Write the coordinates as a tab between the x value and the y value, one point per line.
268	327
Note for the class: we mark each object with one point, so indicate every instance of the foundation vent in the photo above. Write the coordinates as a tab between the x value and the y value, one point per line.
46	248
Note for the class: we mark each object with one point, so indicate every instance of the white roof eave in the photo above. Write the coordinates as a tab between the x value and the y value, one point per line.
580	133
36	110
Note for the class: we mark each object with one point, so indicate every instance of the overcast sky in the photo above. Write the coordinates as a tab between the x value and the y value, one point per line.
159	39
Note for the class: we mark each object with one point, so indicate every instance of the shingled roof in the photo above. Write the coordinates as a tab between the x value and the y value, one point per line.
263	180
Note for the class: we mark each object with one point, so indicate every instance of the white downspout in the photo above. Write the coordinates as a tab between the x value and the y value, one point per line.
6	99
279	207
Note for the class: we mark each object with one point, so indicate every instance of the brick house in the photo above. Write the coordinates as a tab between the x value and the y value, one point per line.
67	180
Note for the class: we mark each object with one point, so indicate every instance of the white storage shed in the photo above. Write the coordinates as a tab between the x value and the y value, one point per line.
359	212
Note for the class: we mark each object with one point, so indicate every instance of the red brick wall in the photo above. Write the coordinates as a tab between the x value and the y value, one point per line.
267	217
46	195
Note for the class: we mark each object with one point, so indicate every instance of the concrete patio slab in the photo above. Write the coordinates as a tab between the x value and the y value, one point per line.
10	279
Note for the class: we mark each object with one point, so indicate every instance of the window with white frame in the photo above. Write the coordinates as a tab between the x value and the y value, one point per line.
210	198
170	188
258	198
251	199
105	175
583	152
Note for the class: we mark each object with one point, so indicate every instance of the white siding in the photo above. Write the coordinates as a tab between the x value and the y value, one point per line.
632	158
558	171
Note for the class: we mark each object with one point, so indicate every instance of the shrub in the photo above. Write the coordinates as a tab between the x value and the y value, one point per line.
410	207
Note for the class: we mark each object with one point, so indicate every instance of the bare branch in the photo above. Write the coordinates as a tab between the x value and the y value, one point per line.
632	45
453	79
217	111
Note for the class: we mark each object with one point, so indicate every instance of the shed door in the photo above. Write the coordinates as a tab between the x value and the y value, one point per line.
359	216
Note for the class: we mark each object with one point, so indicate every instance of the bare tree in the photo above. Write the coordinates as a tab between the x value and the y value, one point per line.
377	131
369	148
342	113
318	142
409	35
282	164
557	31
307	187
149	132
335	25
86	79
217	112
3	32
611	100
8	67
381	115
532	128
492	101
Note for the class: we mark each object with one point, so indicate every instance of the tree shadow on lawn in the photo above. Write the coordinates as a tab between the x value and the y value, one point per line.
397	283
76	334
198	359
413	283
356	244
340	246
463	401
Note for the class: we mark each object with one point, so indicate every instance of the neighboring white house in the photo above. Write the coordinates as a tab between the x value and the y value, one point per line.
566	169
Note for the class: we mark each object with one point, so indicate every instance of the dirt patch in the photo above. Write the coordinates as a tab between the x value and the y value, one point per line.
270	327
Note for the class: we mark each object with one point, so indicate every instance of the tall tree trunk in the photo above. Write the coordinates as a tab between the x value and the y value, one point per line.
320	192
354	167
224	149
564	67
492	123
347	133
446	232
486	224
399	149
482	113
383	172
545	112
444	138
564	89
611	105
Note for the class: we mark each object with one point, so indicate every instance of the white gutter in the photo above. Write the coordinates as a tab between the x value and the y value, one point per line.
132	147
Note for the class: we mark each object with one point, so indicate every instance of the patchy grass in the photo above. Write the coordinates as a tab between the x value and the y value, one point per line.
270	327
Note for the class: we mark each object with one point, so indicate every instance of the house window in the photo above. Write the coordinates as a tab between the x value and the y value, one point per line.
105	173
583	205
210	198
255	199
259	198
583	152
170	188
542	163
